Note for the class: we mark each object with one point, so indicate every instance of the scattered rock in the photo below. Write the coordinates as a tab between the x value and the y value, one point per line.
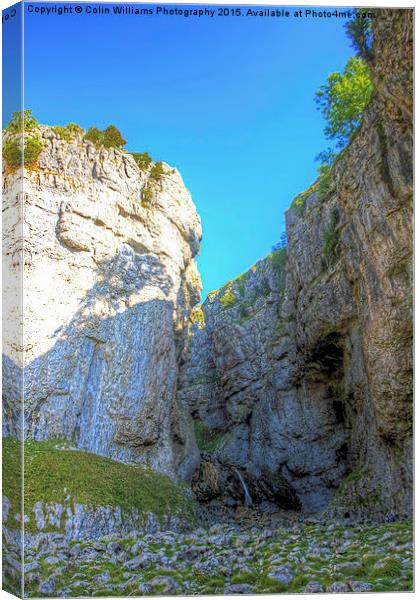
52	560
338	587
313	587
48	586
283	574
238	588
166	584
360	586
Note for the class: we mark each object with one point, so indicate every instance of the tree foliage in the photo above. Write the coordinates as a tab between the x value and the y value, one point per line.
343	99
23	144
15	153
359	30
143	160
109	138
22	121
68	132
228	299
157	171
112	138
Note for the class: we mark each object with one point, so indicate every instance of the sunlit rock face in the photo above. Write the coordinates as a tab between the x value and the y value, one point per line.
108	283
303	368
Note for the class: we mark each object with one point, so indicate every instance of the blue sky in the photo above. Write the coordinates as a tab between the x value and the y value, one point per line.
228	101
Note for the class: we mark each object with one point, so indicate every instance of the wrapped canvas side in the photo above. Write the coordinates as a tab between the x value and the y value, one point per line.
12	296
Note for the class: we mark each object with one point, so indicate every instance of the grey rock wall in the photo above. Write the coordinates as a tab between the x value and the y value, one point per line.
74	521
303	370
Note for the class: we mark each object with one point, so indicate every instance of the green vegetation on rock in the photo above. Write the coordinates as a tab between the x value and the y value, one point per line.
279	261
157	171
343	99
108	138
228	299
359	29
342	102
207	439
331	242
68	132
299	202
143	160
22	121
197	316
18	150
147	196
325	182
16	154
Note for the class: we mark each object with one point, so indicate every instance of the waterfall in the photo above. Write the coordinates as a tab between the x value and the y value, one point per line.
248	499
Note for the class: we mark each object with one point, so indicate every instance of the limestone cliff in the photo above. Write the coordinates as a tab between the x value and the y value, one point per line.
301	372
108	283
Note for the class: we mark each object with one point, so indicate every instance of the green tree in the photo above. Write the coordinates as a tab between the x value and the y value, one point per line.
360	31
67	132
22	121
32	148
12	152
112	138
94	135
343	99
143	159
157	171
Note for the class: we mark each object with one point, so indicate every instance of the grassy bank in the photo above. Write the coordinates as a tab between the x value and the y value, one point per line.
54	473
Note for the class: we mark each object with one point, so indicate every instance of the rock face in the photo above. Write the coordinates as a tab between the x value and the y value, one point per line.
283	432
81	522
109	280
302	367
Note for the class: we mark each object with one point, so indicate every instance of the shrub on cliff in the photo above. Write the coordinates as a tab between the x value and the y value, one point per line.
279	261
22	121
359	30
147	196
93	135
67	132
109	138
112	138
32	148
143	160
156	174
331	243
197	316
12	152
325	183
157	171
227	300
343	99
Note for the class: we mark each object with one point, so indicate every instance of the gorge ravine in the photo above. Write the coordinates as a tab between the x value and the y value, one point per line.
293	381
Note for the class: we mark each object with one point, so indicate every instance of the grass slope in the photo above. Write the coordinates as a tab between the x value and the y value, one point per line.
54	473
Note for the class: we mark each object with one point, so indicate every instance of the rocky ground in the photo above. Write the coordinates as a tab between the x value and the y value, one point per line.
229	559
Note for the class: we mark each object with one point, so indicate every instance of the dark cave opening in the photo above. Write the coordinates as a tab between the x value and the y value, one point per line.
328	354
339	410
